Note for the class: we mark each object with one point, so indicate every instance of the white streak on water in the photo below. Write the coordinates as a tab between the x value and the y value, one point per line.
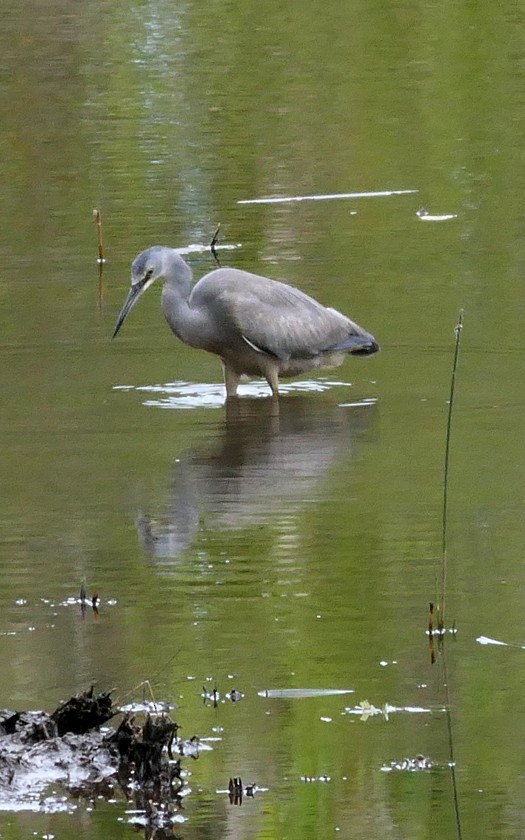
296	693
327	197
425	216
486	640
201	249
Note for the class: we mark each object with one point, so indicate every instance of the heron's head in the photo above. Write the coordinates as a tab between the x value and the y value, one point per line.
147	267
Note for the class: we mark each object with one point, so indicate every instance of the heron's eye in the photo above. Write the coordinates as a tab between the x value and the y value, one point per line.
148	274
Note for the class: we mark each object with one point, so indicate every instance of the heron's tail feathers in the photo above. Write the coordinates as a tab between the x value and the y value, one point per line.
358	344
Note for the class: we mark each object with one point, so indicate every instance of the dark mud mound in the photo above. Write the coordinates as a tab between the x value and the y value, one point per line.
83	712
46	761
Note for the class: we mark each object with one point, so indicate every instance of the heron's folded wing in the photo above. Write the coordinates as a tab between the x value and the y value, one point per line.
283	321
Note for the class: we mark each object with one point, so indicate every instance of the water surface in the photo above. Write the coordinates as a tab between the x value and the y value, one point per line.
237	549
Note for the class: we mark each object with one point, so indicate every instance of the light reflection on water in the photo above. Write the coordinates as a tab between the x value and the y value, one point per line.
204	395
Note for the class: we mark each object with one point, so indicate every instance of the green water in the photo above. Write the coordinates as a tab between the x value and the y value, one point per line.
238	549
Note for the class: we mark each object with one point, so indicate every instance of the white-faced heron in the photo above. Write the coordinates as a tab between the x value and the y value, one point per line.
257	326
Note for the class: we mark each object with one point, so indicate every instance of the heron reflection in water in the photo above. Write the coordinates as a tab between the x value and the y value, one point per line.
257	326
262	469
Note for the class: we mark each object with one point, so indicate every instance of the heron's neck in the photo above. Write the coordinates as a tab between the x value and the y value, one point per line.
185	321
177	273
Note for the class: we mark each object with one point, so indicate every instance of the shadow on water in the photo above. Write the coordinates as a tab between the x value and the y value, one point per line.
263	465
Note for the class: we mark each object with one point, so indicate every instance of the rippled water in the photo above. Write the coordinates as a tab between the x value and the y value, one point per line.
204	395
371	157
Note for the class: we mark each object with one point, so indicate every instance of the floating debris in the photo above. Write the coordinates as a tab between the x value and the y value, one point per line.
214	696
236	790
295	693
234	695
193	747
315	779
325	197
420	762
366	402
425	216
211	696
83	601
366	710
439	631
486	640
149	707
93	601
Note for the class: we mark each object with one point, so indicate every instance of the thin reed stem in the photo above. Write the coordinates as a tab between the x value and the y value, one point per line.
451	754
457	330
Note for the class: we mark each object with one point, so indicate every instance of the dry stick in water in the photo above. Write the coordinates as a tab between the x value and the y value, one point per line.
441	606
101	258
213	244
98	222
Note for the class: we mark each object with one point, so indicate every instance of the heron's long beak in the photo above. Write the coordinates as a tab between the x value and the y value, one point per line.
133	295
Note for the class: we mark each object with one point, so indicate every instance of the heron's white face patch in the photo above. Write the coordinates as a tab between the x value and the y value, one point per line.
144	280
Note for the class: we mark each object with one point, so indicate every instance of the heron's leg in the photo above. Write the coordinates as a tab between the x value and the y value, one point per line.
272	377
231	380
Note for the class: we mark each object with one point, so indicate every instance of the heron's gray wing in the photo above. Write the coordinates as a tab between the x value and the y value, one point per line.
272	317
